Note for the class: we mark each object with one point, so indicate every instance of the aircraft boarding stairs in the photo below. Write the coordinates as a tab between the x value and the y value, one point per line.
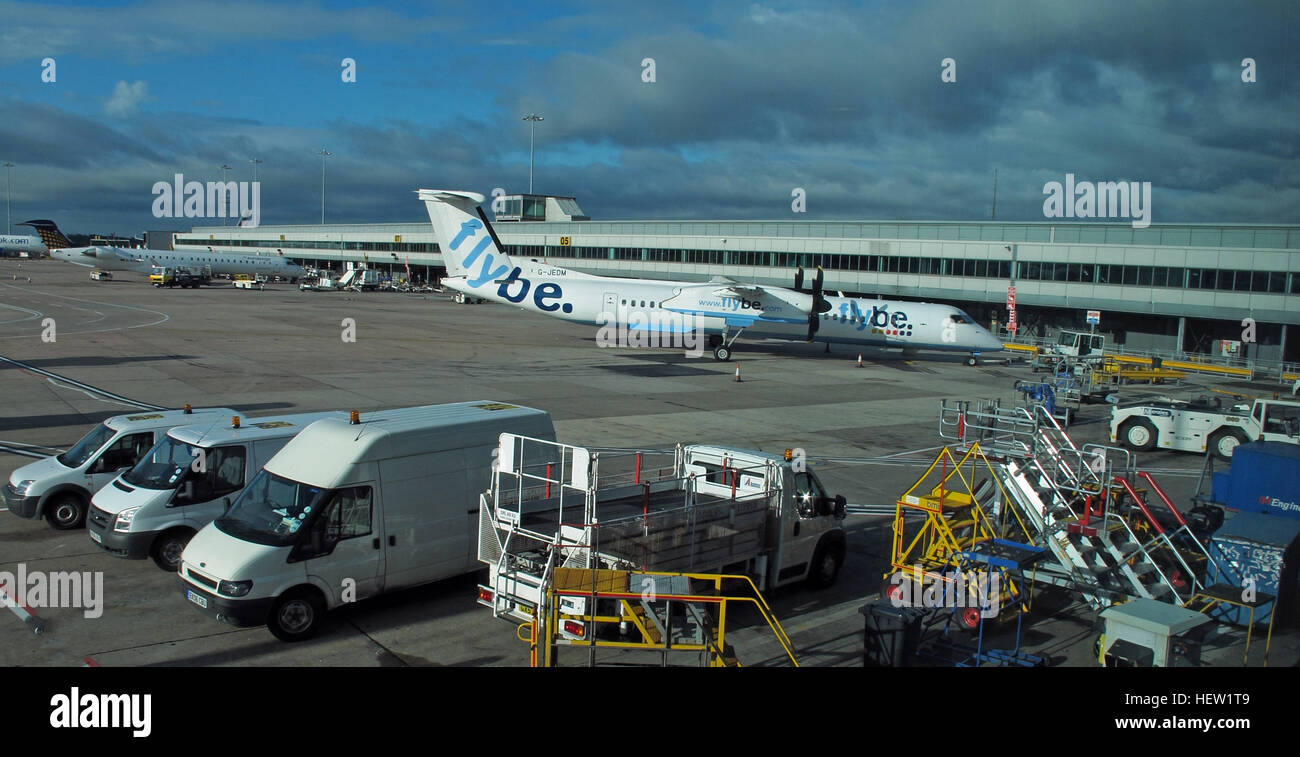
1082	504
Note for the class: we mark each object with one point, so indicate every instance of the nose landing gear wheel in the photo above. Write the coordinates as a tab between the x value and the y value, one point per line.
722	353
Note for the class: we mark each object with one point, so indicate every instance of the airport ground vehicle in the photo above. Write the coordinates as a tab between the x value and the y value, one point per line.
699	509
178	276
350	509
1198	425
101	276
189	477
319	281
60	487
360	280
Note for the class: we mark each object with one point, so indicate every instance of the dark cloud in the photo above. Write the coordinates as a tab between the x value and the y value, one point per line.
843	100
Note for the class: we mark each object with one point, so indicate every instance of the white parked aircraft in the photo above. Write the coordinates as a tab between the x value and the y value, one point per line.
11	244
720	309
106	258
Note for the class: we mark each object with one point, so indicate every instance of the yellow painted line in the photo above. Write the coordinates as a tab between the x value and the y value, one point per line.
1290	376
1020	347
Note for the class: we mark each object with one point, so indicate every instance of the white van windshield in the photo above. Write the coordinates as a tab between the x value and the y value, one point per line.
163	467
82	450
270	510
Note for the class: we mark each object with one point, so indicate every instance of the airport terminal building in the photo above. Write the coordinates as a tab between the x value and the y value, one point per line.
1165	287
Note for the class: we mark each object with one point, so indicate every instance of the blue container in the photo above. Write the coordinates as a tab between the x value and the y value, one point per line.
1260	550
1264	478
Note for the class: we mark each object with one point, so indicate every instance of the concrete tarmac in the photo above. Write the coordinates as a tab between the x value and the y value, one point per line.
280	350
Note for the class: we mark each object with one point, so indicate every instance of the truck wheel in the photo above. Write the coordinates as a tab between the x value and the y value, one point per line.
167	549
1138	434
296	616
66	511
826	564
1224	441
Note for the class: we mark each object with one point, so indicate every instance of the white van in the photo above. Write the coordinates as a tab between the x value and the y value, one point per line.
60	487
186	480
352	509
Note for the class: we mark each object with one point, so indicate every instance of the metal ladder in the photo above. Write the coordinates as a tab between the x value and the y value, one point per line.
1057	487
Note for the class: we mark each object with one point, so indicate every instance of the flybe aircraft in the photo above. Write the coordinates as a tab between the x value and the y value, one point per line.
106	258
720	309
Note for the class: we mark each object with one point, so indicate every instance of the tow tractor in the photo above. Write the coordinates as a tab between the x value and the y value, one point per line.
1204	423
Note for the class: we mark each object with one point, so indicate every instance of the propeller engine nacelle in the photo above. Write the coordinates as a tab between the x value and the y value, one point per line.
819	303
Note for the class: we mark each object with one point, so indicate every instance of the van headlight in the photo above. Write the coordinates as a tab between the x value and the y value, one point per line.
124	518
234	588
21	487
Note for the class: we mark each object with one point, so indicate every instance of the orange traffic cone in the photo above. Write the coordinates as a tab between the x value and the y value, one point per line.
737	373
859	359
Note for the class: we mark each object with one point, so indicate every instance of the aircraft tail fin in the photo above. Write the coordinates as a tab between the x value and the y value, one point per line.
469	246
50	234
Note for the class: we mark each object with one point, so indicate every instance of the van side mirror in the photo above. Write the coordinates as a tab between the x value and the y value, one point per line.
226	503
841	506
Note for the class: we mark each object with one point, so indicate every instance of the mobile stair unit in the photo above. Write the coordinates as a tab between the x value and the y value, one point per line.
1088	506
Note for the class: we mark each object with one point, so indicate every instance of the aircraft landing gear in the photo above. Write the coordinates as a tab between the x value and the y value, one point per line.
721	345
973	360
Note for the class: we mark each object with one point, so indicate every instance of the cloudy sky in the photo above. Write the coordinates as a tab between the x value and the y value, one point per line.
846	100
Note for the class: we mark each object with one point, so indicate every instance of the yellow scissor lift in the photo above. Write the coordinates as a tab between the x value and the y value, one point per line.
954	548
643	617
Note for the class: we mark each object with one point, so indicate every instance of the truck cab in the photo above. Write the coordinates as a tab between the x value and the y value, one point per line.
802	516
60	487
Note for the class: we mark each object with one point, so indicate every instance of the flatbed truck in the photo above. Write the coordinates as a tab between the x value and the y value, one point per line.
699	509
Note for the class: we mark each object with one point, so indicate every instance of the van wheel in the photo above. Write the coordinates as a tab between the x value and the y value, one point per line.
66	512
296	615
1139	434
1224	441
167	549
826	564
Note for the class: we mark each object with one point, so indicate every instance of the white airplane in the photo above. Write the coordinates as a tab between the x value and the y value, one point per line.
106	258
721	310
10	245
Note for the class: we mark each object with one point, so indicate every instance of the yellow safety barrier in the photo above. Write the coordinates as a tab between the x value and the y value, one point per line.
613	586
1221	370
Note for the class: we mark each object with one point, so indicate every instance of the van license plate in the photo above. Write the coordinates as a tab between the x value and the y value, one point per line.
197	599
96	538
